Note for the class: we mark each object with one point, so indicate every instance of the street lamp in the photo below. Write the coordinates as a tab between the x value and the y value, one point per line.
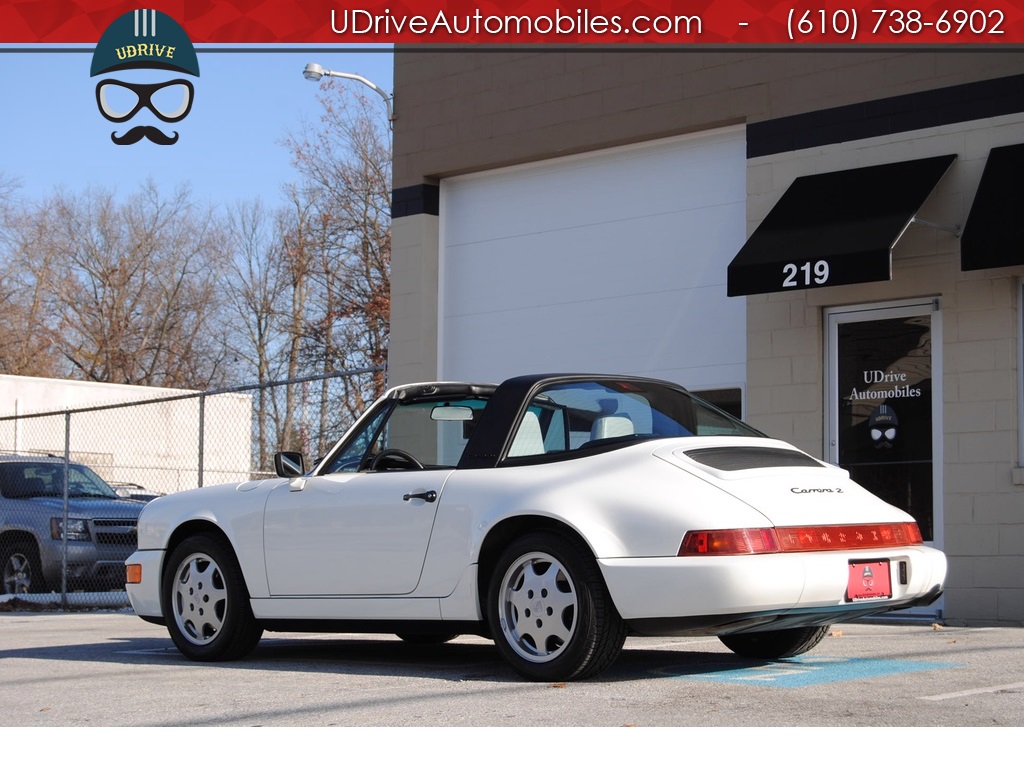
313	72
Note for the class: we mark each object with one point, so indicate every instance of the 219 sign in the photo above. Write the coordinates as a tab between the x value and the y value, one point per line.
804	275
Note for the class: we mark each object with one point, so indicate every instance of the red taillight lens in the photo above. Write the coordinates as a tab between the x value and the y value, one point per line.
809	538
737	541
827	537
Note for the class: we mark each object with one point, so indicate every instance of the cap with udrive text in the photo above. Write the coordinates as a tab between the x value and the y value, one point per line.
144	39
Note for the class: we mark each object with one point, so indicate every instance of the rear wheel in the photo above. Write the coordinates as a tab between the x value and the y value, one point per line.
22	573
776	644
549	611
206	603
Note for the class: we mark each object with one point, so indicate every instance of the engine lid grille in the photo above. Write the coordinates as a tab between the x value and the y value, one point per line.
736	458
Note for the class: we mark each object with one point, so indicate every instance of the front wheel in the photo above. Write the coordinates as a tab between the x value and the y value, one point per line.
206	603
776	644
549	611
22	573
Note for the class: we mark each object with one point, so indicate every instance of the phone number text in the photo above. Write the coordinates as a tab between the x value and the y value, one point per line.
888	24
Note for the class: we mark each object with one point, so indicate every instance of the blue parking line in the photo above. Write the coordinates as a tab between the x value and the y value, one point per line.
815	670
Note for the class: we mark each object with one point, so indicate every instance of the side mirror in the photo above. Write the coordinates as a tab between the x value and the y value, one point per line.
289	464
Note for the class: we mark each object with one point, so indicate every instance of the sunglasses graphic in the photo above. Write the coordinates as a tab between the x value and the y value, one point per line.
119	101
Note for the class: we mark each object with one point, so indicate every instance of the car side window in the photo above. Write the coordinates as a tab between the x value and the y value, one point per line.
567	417
601	415
544	428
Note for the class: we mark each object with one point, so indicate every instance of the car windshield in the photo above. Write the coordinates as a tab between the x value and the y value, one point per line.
580	415
32	479
434	430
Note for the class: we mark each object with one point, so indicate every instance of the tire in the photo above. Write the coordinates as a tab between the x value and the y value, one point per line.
206	603
549	611
425	639
777	644
21	571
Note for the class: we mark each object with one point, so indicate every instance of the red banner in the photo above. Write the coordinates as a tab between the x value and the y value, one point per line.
505	22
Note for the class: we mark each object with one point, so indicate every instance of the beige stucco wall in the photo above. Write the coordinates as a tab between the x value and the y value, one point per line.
412	354
472	109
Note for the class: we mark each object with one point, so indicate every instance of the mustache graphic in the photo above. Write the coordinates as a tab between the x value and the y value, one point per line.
140	132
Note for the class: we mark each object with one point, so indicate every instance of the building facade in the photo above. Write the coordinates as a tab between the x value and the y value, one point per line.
822	241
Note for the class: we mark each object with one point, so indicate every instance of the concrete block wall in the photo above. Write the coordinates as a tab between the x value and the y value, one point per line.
982	482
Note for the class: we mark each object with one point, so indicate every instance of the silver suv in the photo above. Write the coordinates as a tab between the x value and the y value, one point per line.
37	538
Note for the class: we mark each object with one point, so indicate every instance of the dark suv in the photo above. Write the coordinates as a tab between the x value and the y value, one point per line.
36	538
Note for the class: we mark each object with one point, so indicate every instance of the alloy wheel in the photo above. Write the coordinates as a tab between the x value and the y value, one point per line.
538	607
199	598
17	574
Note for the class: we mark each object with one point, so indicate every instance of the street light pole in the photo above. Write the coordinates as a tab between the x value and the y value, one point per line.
314	72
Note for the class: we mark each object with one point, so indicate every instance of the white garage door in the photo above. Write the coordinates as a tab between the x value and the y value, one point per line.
612	261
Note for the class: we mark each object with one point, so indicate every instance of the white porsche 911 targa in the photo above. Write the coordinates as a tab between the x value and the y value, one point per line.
553	514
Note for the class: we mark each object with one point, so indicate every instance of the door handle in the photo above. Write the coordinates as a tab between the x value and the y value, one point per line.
427	496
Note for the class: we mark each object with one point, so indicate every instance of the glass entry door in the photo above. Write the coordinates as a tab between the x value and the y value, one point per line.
884	404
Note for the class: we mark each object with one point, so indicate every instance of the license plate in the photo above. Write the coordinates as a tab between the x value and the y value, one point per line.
868	580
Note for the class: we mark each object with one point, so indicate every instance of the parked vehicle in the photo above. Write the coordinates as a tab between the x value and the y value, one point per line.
36	538
554	514
133	491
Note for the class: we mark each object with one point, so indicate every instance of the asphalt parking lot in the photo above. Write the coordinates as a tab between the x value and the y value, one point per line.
112	669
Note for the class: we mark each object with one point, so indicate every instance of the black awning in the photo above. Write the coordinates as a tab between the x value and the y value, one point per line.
992	234
835	228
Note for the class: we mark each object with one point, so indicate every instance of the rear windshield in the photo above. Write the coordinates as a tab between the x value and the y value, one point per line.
567	418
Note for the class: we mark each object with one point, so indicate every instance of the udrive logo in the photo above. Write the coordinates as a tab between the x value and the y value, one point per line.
142	46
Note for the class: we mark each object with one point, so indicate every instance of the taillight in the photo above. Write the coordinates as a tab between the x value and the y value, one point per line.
807	538
737	541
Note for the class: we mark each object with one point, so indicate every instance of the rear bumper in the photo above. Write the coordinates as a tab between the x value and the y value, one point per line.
714	595
771	620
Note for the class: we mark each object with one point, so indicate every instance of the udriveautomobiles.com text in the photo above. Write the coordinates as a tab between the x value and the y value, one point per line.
582	22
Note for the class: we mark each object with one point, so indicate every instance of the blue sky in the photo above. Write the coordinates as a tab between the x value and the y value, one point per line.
52	134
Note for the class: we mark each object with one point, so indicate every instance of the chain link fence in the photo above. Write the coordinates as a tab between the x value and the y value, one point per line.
73	482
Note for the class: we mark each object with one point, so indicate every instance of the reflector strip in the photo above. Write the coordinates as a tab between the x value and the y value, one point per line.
814	538
830	537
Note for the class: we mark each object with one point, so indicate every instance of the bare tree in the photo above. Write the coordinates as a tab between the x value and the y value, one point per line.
255	292
25	282
345	165
128	289
8	186
309	288
157	290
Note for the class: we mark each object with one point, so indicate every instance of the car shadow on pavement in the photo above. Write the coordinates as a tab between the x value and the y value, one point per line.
465	658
